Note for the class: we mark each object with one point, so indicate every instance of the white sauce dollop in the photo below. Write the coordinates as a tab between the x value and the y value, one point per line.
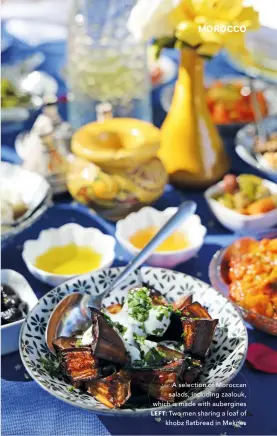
135	332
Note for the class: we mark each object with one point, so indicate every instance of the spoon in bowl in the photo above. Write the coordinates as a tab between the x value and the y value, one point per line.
72	315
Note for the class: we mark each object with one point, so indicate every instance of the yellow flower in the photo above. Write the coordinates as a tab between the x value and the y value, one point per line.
212	24
207	25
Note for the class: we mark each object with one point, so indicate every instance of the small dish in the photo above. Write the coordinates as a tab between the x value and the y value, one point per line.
236	221
10	332
245	141
148	216
35	85
67	234
259	321
34	191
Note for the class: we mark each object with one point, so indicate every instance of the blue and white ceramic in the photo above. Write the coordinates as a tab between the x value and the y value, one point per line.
224	361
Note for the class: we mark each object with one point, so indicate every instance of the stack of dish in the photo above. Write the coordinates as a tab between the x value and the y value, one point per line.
25	197
22	91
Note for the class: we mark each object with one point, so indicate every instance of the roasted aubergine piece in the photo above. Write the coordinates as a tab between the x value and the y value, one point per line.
191	370
182	302
64	343
196	310
198	335
106	343
161	383
169	354
79	365
112	391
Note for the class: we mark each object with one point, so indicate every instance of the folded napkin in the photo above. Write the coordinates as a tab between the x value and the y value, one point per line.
27	410
262	358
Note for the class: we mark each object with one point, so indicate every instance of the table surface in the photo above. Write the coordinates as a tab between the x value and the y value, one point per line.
26	408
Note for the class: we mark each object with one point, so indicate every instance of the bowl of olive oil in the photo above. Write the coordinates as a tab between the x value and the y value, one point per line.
68	251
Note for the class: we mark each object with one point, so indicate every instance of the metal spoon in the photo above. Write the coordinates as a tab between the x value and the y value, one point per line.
72	316
258	118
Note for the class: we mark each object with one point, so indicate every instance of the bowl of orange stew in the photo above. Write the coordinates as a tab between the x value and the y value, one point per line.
246	273
230	101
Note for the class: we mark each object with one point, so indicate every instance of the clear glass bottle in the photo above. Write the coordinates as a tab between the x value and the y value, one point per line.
105	64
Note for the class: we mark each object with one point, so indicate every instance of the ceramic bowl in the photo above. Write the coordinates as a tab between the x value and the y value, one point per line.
236	221
37	84
245	141
67	234
261	322
229	129
224	361
24	147
10	332
32	188
148	216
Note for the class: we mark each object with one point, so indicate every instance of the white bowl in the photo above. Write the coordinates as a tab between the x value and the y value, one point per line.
148	216
67	234
236	221
10	332
34	191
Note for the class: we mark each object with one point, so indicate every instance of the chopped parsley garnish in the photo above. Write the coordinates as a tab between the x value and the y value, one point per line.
154	357
140	303
70	388
120	327
158	331
108	319
139	339
178	312
115	324
164	311
78	342
53	368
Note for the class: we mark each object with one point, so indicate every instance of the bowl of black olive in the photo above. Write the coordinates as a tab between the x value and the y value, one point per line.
17	299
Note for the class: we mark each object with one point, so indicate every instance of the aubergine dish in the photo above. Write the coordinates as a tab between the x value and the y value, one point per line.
146	346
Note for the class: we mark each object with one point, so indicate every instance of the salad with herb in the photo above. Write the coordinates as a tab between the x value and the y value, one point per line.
146	345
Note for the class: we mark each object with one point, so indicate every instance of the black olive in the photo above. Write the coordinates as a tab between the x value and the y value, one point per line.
9	298
11	315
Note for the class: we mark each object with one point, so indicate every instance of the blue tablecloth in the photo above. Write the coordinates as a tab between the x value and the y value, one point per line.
28	410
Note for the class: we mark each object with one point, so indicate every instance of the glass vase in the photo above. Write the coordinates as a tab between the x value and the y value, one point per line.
105	64
191	148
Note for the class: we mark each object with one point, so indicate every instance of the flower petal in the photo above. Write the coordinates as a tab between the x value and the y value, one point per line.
262	358
208	49
188	32
150	19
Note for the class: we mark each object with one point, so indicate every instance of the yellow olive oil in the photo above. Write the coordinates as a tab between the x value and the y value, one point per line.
176	241
69	259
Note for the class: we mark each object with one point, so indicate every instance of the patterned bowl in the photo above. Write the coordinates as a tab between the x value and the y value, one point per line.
225	360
